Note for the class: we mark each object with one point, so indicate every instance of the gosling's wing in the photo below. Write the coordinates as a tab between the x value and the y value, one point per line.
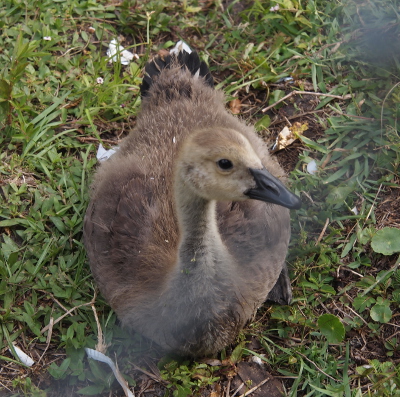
122	232
116	221
251	228
257	235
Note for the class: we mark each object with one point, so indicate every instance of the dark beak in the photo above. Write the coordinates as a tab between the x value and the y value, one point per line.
272	190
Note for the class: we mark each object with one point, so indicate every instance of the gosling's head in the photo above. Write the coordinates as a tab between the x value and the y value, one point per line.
222	165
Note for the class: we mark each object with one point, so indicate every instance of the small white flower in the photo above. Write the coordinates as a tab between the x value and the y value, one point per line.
99	80
275	8
47	38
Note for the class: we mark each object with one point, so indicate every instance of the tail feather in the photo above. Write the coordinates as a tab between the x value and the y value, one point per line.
281	293
183	59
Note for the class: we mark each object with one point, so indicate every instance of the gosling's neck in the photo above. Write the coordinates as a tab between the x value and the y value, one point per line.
200	245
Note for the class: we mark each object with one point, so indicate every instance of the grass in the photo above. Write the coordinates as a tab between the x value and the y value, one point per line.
340	337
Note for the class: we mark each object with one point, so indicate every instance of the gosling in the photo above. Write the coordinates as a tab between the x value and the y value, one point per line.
188	225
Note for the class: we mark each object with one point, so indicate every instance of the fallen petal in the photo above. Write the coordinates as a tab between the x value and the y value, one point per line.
96	355
235	106
25	359
284	139
181	46
116	50
285	80
354	210
312	167
256	360
104	154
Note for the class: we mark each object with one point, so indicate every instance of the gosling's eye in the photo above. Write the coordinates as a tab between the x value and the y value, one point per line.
225	164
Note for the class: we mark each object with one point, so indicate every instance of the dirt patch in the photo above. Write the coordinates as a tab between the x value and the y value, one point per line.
387	212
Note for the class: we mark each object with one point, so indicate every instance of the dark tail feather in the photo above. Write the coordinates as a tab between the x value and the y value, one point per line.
190	61
282	291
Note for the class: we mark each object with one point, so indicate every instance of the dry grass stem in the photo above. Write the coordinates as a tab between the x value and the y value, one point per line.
321	235
253	389
344	97
47	327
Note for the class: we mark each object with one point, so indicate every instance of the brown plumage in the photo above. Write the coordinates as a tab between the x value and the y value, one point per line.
175	243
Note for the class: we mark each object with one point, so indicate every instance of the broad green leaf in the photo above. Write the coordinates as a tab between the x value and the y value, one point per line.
338	174
332	328
279	40
381	312
365	370
339	194
276	96
303	21
386	241
8	247
59	372
323	102
29	308
348	247
59	224
57	291
313	145
5	89
327	392
360	303
34	326
328	289
237	353
193	9
263	123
